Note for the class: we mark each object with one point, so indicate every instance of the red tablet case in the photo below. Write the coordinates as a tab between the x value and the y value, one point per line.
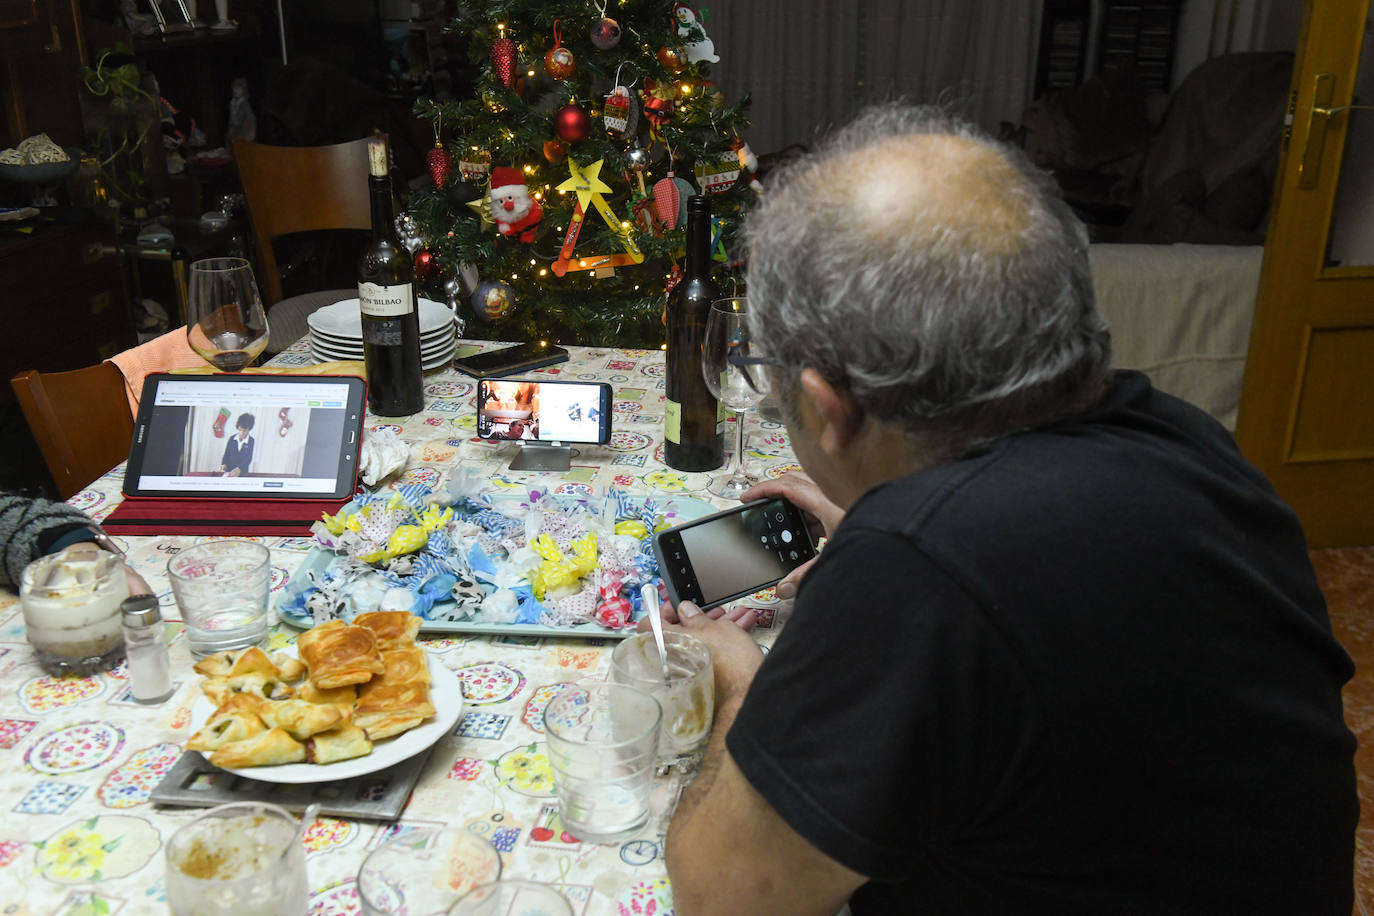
169	515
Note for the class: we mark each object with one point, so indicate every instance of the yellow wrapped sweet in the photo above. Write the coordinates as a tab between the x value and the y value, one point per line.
633	527
559	572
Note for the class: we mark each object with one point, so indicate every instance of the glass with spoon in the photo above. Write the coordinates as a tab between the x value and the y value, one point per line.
225	319
734	371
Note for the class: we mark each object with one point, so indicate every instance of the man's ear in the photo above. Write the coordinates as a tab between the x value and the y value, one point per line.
840	417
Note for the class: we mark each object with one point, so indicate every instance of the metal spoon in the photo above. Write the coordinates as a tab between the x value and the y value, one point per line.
311	812
649	594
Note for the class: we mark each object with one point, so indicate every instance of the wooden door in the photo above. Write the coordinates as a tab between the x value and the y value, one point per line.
1307	407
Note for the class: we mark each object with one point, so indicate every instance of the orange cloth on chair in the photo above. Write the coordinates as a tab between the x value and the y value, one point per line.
161	354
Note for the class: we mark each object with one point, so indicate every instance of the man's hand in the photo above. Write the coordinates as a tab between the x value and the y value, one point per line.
803	493
734	654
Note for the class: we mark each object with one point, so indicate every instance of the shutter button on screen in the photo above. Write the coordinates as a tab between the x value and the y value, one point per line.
786	536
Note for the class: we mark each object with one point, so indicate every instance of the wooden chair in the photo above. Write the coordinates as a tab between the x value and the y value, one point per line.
292	189
80	419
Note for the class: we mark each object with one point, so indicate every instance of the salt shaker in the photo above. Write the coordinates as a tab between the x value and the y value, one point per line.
145	646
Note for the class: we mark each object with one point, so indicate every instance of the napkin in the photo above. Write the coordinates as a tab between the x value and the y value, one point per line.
383	453
161	354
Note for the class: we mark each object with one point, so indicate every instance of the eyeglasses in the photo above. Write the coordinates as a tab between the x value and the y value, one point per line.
738	356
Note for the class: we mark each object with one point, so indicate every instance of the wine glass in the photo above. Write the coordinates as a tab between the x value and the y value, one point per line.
734	372
225	320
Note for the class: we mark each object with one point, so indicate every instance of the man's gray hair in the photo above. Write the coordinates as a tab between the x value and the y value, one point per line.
932	272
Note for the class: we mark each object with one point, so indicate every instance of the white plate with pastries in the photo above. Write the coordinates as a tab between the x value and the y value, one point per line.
445	694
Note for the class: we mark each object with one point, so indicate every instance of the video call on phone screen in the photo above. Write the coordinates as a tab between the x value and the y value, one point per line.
540	412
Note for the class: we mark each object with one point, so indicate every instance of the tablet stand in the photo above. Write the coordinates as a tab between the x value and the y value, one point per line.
542	456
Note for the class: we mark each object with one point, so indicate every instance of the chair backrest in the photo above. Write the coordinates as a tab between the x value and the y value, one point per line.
80	419
300	189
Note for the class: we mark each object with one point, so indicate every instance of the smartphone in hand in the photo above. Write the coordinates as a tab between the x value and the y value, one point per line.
714	560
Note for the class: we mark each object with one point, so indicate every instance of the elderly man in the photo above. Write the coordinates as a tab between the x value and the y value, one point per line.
1064	651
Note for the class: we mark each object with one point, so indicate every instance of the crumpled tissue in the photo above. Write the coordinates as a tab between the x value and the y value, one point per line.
383	454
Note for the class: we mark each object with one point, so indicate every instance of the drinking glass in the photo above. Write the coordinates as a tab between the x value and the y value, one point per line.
225	320
734	372
240	859
422	872
221	589
511	896
602	741
686	692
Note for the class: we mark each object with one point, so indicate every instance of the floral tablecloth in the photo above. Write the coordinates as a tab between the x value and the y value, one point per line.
78	758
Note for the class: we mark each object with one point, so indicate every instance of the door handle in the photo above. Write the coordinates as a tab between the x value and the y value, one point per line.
1318	119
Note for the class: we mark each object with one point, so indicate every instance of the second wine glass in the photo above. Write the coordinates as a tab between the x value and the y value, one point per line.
734	372
225	320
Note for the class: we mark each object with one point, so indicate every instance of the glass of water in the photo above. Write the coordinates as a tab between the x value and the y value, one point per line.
602	741
221	590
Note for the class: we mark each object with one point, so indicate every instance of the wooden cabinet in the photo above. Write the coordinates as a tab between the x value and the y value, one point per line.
40	61
66	304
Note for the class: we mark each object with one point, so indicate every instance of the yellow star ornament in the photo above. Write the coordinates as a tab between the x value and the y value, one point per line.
586	182
482	207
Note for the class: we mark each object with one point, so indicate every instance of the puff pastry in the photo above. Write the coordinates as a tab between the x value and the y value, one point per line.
342	743
341	698
299	718
337	654
393	628
229	664
291	669
389	709
385	726
268	687
403	666
225	727
270	748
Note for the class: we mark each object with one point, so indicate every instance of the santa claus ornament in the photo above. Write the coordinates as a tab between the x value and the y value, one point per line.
559	63
515	212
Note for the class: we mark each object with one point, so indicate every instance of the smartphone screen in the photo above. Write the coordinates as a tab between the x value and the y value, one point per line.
544	411
506	360
731	554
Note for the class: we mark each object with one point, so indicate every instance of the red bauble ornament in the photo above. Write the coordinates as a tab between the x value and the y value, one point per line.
439	165
555	152
424	263
572	123
670	59
559	62
503	59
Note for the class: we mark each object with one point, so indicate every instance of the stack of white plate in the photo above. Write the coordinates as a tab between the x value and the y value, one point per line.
336	332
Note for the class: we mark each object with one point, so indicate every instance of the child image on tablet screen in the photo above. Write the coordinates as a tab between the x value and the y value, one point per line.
510	410
267	441
238	451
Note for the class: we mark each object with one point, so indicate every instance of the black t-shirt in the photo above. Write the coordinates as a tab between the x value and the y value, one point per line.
1088	670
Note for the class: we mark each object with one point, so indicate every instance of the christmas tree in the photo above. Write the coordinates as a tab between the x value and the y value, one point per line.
562	183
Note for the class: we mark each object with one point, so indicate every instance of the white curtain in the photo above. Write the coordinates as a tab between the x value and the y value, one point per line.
810	64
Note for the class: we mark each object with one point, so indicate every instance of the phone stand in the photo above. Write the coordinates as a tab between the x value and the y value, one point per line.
542	456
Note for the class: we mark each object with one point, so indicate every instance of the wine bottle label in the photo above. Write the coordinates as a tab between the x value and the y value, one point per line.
672	422
385	333
385	301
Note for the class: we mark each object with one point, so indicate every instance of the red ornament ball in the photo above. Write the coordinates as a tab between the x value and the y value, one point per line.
424	263
606	34
572	123
559	63
670	59
555	152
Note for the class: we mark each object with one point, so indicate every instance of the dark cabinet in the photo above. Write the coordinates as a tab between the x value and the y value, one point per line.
1079	38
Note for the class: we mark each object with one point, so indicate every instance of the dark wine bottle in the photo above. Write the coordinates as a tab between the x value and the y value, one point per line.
693	437
386	294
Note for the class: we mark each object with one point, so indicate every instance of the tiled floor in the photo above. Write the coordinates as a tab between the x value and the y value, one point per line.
1347	579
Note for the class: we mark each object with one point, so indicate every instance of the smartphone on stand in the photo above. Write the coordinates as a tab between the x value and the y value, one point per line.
544	412
509	360
714	560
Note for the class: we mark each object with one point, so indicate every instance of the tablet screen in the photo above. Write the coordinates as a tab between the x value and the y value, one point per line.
292	437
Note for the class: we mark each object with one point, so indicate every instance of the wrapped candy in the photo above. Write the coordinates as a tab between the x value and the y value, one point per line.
614	611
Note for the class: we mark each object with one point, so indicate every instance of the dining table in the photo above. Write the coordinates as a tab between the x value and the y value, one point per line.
80	760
